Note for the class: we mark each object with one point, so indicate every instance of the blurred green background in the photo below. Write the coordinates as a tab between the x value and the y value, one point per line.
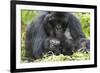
29	16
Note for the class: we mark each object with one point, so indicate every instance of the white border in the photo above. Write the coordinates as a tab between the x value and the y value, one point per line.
93	2
20	65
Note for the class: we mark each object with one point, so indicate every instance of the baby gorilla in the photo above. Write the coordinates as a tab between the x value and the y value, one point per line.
56	47
52	46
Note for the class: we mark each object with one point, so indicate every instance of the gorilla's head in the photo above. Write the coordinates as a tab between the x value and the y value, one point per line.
58	21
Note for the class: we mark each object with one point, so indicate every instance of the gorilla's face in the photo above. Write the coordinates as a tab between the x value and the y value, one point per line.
58	22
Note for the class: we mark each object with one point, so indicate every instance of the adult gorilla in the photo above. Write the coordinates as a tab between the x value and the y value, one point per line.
58	26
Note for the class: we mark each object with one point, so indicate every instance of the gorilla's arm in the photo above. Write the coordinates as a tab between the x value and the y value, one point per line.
35	35
49	29
47	26
75	30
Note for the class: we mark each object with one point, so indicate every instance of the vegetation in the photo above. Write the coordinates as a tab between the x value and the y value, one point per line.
76	56
85	21
29	16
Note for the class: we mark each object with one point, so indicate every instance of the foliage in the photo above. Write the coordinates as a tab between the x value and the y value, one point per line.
85	21
76	56
27	16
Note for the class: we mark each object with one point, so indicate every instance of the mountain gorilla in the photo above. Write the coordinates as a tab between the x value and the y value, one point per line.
53	32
